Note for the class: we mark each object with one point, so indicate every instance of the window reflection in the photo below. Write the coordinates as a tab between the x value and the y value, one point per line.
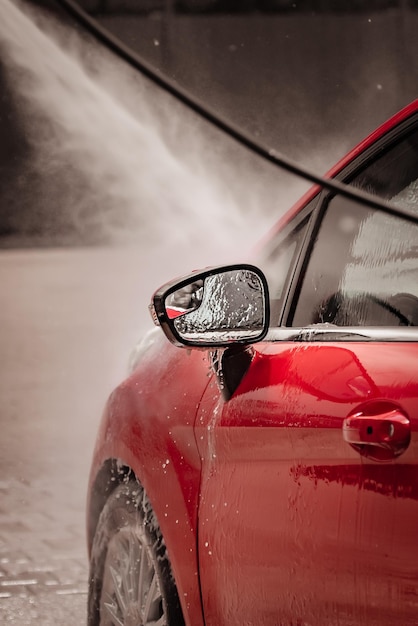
278	263
363	270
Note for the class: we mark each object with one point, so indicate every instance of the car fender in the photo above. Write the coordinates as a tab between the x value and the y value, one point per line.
152	433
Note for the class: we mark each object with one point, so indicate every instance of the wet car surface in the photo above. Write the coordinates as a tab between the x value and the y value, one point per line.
266	474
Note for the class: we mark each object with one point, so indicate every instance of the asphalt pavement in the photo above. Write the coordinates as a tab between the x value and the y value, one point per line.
68	320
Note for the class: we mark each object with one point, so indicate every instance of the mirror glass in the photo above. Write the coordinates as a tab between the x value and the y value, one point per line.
184	300
227	306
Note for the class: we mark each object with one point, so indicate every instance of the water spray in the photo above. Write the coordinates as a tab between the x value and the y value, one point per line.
268	154
109	170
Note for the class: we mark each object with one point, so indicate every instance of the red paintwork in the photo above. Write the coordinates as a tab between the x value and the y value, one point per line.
292	523
148	425
309	527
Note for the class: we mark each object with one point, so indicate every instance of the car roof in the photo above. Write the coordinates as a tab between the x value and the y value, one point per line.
369	141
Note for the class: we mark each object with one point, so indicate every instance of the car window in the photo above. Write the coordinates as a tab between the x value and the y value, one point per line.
394	171
277	266
363	268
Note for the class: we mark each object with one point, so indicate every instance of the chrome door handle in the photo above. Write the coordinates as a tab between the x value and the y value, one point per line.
380	437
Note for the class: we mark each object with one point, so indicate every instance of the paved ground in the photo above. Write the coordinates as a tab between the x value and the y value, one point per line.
43	565
68	319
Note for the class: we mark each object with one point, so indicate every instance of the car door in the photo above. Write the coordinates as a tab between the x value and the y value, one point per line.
309	496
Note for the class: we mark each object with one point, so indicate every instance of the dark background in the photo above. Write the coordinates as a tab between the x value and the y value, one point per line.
296	74
310	78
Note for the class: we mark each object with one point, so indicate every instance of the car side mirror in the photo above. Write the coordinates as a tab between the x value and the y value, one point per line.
214	308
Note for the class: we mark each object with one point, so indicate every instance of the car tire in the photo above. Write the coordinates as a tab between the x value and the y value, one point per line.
130	575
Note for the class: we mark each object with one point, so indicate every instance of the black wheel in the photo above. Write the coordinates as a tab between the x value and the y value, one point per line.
130	575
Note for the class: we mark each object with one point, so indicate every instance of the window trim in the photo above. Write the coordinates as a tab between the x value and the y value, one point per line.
326	333
370	154
280	239
299	270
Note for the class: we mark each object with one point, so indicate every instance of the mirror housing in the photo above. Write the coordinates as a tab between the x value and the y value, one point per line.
214	308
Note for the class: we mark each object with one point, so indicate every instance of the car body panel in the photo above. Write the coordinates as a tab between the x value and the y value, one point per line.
301	524
148	425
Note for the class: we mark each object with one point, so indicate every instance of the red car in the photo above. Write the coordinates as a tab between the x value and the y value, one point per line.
267	474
